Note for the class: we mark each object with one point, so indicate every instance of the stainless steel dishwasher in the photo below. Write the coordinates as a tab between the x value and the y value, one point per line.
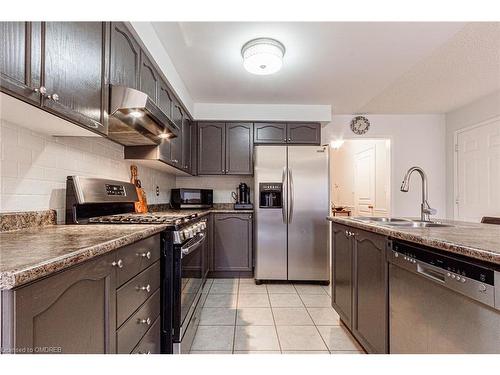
441	303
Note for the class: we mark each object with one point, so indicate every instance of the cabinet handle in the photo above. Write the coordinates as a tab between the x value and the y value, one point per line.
118	264
146	288
148	352
42	90
175	161
144	321
289	139
145	255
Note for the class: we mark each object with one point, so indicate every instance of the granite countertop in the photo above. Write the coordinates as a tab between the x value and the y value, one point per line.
31	253
475	240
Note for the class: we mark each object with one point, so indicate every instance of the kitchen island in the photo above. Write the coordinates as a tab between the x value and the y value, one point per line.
403	286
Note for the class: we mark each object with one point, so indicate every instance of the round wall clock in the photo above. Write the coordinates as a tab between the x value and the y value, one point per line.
360	125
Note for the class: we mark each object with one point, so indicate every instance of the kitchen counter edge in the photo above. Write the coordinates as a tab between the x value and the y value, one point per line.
431	239
14	278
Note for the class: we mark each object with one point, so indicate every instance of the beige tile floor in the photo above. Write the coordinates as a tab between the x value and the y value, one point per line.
240	317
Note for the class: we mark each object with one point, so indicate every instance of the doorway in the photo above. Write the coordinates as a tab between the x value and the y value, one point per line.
360	173
477	165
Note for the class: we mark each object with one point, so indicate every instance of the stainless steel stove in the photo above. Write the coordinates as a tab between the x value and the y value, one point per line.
184	264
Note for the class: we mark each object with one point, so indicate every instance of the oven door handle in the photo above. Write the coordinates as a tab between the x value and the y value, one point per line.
189	249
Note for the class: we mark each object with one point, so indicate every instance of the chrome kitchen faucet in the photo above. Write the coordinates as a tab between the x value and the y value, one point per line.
425	209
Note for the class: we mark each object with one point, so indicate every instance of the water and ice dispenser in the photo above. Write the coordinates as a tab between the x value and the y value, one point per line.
270	195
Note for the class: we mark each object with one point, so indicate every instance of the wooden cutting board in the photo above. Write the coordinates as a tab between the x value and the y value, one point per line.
141	206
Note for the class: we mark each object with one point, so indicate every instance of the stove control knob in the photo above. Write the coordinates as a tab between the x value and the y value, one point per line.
186	233
203	225
198	228
482	288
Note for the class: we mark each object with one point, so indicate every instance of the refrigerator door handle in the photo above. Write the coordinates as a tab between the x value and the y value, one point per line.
283	198
290	193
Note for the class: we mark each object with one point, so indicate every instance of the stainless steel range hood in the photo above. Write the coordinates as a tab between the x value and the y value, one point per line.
135	120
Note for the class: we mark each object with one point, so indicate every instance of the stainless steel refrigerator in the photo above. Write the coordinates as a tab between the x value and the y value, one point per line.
291	206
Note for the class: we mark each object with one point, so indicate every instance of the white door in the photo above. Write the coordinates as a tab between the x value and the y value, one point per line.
364	182
478	172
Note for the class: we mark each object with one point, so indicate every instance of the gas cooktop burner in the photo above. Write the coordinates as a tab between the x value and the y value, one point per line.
160	218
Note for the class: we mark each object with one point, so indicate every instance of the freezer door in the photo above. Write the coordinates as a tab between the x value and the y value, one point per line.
308	257
271	227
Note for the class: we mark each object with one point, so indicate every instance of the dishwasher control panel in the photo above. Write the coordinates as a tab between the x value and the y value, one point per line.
473	279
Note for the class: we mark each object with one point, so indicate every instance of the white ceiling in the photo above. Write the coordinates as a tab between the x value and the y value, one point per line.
367	67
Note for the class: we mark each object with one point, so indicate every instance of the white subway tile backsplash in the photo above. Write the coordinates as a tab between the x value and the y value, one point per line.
34	168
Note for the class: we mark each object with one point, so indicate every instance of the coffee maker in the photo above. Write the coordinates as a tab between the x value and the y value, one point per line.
242	197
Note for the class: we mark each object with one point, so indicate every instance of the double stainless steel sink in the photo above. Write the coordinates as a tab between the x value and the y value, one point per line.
397	222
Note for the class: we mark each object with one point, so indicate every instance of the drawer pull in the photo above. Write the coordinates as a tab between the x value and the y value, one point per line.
146	255
146	288
118	264
140	352
144	321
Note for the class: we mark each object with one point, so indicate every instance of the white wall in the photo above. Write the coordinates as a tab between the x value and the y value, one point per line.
34	167
473	113
342	164
222	185
415	140
262	112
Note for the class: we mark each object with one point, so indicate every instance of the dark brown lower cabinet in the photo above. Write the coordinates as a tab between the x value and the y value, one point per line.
71	312
232	242
342	273
360	285
85	310
370	323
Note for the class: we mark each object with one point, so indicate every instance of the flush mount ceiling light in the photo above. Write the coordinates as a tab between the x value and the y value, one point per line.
263	56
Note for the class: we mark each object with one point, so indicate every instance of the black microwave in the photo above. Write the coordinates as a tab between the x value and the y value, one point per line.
191	198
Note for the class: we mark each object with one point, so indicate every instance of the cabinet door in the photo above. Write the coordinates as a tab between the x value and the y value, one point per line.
73	311
342	289
269	133
125	57
371	290
20	55
148	78
239	148
233	242
211	150
165	99
176	143
186	144
74	56
308	133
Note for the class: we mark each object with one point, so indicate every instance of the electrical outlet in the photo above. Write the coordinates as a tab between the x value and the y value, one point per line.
157	191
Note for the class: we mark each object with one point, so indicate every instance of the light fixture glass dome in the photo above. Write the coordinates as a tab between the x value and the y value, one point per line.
263	56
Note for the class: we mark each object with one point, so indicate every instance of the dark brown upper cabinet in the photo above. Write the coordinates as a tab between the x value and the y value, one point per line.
186	144
239	148
232	242
165	99
20	59
176	143
148	78
225	148
124	58
270	133
281	133
211	147
74	71
306	133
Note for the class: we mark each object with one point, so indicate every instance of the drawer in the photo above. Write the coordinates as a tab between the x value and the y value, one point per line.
137	325
137	257
150	343
133	294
